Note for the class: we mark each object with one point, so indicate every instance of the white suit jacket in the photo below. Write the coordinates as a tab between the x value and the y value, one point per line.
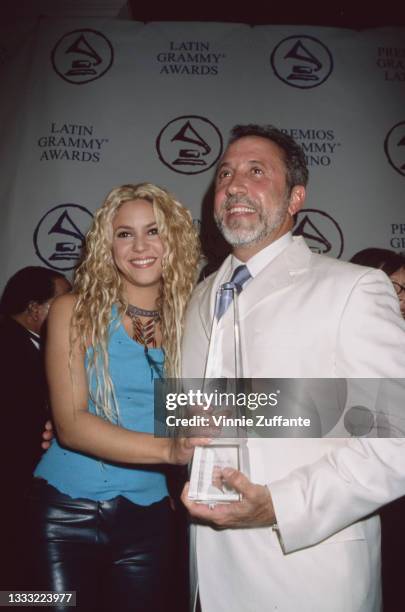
306	316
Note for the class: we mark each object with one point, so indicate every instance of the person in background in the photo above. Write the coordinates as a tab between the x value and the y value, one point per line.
102	522
390	262
24	307
393	514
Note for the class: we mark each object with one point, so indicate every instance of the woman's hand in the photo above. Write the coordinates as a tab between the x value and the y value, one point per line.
181	450
47	435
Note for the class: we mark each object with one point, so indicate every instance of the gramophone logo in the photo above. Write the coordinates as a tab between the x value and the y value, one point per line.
321	232
189	144
302	61
394	147
59	236
82	56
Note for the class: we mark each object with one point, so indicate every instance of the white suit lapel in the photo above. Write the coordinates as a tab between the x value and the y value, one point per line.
279	273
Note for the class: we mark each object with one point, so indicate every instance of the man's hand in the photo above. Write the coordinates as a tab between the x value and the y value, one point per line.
255	509
47	435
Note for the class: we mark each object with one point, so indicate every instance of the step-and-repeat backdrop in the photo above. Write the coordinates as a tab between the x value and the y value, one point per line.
89	104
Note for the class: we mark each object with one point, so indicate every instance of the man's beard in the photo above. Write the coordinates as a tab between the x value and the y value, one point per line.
241	234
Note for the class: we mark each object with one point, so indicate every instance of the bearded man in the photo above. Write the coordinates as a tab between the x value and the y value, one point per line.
305	535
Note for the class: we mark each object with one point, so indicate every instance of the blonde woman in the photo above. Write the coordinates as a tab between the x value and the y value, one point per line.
101	513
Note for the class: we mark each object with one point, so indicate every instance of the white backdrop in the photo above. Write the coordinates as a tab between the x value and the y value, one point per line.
89	104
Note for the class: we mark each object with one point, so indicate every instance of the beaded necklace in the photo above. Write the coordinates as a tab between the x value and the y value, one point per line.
144	333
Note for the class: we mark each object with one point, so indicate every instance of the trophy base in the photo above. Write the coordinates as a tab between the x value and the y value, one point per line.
206	481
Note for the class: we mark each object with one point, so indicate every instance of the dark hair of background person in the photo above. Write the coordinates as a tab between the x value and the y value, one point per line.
294	157
30	284
384	259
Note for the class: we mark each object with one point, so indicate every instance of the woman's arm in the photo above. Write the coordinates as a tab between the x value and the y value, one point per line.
76	427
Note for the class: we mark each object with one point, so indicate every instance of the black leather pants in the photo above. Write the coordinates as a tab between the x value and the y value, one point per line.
116	555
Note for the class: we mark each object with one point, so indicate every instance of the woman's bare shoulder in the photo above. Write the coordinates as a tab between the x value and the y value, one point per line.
63	305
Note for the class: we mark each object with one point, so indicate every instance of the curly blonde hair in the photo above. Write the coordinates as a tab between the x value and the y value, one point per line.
98	286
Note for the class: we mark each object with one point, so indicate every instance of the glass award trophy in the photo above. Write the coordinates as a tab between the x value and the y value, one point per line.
206	481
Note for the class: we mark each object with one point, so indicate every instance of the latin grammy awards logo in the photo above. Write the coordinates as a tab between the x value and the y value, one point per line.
195	148
59	236
394	147
302	61
82	56
305	64
321	232
189	144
